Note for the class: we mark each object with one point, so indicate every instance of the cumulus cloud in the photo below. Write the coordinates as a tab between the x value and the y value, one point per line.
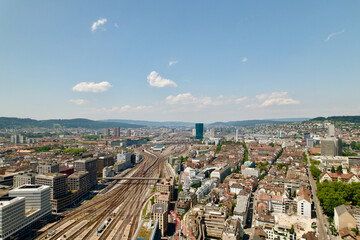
92	87
155	80
275	98
245	59
98	23
78	101
331	35
173	62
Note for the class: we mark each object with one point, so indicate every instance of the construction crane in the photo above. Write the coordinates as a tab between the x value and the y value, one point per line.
183	225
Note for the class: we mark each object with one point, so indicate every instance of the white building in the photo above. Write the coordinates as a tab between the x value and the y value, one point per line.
221	173
204	189
123	157
242	207
303	200
24	206
12	215
251	172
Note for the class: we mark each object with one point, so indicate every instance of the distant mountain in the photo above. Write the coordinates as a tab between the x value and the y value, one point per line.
153	123
353	119
245	123
249	123
6	122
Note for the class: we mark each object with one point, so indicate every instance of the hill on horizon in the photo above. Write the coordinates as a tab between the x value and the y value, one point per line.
7	122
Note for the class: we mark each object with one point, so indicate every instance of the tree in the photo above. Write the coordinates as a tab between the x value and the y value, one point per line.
332	169
339	169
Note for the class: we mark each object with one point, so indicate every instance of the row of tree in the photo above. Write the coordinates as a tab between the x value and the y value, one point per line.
335	194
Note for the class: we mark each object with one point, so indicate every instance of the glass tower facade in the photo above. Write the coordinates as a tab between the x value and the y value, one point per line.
199	127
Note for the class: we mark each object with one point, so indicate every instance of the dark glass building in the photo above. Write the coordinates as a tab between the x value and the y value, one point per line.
199	127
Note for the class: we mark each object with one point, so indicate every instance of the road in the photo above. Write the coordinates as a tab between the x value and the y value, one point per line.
322	229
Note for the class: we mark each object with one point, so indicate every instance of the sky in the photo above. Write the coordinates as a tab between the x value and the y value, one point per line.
164	60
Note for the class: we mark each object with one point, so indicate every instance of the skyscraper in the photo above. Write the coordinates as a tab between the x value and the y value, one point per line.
199	128
117	132
107	132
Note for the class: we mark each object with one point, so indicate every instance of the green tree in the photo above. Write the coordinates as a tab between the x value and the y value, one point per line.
333	169
339	169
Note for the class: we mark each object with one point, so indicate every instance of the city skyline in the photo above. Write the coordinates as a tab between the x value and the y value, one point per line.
169	61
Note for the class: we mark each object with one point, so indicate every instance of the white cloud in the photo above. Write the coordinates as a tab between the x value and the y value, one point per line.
116	25
78	101
128	108
240	100
155	80
331	35
274	98
188	99
98	23
173	62
245	59
91	87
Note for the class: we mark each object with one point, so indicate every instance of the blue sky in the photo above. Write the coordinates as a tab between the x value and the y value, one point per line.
179	60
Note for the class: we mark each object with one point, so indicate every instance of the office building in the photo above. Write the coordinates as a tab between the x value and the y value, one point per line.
123	157
89	165
128	133
160	212
12	215
331	147
48	168
79	181
199	128
117	132
22	209
104	161
36	197
56	182
24	178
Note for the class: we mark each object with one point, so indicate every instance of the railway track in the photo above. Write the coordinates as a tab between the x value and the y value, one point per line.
128	198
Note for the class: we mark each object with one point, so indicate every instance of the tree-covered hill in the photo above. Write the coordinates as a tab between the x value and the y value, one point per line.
6	122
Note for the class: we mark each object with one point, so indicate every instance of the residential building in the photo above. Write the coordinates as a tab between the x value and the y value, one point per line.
117	132
251	172
242	208
341	177
303	200
343	218
232	230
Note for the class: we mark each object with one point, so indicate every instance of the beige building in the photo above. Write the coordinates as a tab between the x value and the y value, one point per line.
56	182
160	212
343	219
233	230
167	186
